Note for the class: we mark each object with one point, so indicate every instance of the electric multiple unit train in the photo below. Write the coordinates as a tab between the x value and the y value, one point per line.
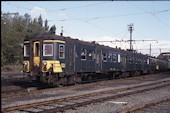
63	60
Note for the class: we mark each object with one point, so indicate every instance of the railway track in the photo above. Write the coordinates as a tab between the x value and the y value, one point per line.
31	88
153	106
73	101
15	87
19	86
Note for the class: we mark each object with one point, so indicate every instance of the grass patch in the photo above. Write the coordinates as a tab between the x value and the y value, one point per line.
12	69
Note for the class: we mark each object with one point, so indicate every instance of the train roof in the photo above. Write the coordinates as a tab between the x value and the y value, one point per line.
46	36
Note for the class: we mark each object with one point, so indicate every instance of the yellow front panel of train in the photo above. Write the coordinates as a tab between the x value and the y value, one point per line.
54	64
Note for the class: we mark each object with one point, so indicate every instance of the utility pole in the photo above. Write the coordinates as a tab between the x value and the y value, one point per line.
130	29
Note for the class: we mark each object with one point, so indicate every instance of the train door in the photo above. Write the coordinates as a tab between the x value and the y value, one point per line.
36	53
98	60
124	62
71	58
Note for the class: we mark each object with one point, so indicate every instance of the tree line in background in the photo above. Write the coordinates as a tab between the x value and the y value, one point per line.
16	28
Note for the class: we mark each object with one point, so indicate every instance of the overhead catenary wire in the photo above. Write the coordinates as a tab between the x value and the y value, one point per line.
103	17
115	35
95	18
154	13
18	6
161	21
55	10
100	17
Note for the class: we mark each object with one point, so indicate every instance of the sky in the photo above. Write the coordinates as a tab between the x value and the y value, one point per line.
105	21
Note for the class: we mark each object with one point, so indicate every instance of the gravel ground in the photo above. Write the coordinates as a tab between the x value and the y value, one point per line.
12	75
7	102
10	88
159	108
80	89
114	105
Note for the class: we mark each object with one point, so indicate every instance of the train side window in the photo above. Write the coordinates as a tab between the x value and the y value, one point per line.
114	58
94	55
130	60
91	55
83	54
110	57
61	51
26	50
148	61
47	49
104	57
119	58
136	60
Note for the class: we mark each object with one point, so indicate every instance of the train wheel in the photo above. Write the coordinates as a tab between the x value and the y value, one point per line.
50	78
78	79
43	78
56	79
63	81
71	80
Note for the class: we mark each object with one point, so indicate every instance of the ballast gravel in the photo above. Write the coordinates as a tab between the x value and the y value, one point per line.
104	107
115	105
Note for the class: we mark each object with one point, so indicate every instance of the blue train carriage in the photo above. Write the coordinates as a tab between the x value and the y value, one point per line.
94	61
112	63
85	59
137	63
165	56
63	60
157	64
153	63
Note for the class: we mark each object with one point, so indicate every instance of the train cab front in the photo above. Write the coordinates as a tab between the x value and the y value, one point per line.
53	60
46	60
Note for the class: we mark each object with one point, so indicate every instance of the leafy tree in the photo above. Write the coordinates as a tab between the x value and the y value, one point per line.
19	31
27	18
14	29
13	33
34	28
46	25
5	34
40	21
53	29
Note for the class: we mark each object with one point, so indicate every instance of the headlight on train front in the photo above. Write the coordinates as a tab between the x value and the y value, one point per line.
45	63
44	66
25	64
25	67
